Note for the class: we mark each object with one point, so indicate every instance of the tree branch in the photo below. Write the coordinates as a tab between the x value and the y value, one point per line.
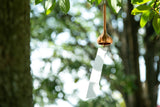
154	6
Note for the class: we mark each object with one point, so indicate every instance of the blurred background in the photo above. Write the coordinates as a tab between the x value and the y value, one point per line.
64	46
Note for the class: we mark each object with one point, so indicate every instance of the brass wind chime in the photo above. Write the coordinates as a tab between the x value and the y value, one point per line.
104	39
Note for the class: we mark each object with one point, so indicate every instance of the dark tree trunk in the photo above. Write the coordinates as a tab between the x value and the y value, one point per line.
15	76
129	52
151	74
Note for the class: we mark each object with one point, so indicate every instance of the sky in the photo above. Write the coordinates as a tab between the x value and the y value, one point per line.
44	50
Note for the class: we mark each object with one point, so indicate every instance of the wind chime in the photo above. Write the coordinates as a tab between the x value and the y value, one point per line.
104	39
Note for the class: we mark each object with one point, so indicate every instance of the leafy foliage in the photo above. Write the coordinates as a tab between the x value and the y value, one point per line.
149	12
144	18
139	1
94	1
50	4
115	5
64	5
38	1
156	24
140	9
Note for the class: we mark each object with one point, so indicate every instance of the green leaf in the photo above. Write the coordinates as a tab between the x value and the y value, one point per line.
115	5
139	1
140	9
38	1
151	15
89	1
48	4
48	11
144	18
64	5
156	24
92	1
98	2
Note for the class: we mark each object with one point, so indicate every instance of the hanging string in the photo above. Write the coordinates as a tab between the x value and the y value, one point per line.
104	39
104	18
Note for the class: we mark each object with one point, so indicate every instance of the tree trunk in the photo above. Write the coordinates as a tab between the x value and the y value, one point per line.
15	76
151	77
129	52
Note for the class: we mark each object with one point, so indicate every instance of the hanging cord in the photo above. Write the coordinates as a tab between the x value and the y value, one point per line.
104	17
104	39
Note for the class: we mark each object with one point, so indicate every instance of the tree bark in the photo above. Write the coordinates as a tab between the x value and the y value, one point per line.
15	76
129	52
151	77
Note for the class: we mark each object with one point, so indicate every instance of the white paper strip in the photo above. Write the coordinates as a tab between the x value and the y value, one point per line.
96	73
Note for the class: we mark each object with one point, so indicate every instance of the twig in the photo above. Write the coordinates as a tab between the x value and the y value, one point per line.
154	6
